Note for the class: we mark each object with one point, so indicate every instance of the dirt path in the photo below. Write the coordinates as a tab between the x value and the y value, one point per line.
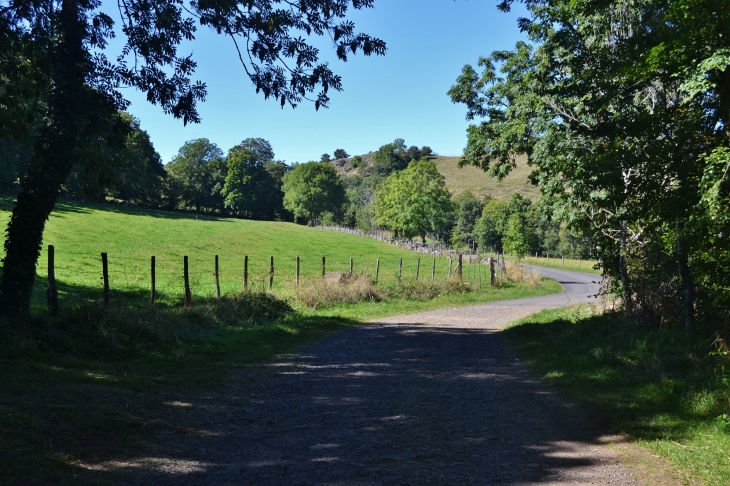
431	398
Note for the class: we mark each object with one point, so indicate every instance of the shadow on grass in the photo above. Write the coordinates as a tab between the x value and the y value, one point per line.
67	206
654	384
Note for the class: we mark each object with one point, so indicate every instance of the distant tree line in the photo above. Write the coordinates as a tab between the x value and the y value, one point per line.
399	188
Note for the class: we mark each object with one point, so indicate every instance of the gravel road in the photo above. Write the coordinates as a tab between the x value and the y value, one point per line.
431	398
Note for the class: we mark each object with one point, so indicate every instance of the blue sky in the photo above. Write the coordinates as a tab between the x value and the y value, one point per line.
399	95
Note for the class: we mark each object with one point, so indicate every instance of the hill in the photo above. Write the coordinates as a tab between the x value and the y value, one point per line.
460	179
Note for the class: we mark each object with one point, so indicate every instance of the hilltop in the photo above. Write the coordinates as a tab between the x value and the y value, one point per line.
460	179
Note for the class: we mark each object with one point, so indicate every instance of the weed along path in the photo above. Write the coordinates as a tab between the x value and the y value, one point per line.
430	398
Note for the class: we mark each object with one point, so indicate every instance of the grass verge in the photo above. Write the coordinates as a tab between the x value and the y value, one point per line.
586	266
667	389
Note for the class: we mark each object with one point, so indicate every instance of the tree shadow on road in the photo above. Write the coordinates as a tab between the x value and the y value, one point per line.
375	404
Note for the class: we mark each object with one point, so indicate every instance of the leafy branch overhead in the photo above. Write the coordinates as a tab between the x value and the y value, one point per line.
63	92
270	36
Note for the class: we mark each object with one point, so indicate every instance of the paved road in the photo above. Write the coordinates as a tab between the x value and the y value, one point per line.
580	288
431	398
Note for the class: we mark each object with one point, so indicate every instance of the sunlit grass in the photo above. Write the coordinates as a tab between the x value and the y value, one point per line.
460	179
576	265
665	388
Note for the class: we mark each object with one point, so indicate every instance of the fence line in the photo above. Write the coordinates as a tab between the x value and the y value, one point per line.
439	249
181	277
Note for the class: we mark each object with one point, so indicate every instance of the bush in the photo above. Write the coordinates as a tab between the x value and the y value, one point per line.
320	293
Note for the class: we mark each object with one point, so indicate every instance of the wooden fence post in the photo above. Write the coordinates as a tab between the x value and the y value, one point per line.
324	268
459	269
297	271
400	269
52	290
271	273
105	276
245	272
152	282
186	278
563	257
418	268
433	270
377	270
350	267
217	280
450	265
492	273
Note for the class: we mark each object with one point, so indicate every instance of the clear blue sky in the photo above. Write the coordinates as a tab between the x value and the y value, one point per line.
399	95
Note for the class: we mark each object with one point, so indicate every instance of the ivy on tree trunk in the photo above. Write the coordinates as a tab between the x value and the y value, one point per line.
50	166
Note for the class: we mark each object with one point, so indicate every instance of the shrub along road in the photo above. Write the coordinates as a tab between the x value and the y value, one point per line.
431	398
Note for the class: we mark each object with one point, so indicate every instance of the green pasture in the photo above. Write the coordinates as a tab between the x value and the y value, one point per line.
668	389
81	232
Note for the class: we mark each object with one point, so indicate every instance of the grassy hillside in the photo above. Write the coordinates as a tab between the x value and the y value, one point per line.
80	232
478	182
465	178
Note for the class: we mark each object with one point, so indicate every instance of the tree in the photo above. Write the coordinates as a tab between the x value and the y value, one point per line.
517	236
198	173
325	158
619	107
273	194
468	211
139	174
311	189
412	153
59	45
390	157
341	154
490	226
497	229
247	180
415	201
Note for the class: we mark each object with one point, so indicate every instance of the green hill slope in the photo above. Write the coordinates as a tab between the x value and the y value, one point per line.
80	232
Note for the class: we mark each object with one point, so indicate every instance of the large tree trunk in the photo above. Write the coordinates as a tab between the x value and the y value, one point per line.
687	284
626	287
49	167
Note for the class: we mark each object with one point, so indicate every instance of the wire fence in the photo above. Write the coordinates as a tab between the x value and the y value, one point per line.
162	278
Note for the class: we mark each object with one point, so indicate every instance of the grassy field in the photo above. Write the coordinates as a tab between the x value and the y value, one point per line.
668	389
69	383
80	232
587	266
